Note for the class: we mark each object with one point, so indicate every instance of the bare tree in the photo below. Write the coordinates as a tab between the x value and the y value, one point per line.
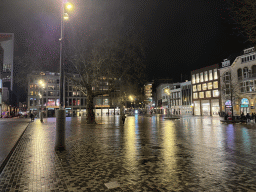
230	88
244	14
120	60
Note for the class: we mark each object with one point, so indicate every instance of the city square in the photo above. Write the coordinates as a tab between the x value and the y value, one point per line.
127	95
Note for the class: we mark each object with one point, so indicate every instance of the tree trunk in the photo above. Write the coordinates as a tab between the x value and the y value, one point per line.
90	116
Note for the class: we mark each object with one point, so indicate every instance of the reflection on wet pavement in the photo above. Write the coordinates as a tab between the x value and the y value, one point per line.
144	154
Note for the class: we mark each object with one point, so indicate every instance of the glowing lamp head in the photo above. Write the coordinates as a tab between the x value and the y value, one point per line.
66	17
69	6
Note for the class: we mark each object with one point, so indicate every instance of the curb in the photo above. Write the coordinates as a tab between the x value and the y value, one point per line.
11	152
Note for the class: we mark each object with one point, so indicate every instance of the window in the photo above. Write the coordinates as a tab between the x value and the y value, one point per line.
201	77
194	88
205	76
70	94
31	102
195	95
204	86
215	74
254	70
226	76
215	93
31	86
227	88
78	102
82	102
50	93
74	93
50	81
193	79
239	73
57	81
201	94
246	73
199	87
208	94
31	92
215	84
197	78
242	60
50	87
51	102
210	75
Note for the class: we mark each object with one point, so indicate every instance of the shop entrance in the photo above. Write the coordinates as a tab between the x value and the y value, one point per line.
205	107
197	108
244	106
215	107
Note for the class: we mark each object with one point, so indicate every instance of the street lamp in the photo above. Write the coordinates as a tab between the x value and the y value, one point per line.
167	91
42	86
61	113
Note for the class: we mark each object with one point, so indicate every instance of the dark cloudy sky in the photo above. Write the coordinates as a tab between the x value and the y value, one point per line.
179	35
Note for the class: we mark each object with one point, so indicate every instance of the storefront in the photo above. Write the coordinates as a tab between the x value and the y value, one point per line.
215	107
244	106
205	107
228	108
197	110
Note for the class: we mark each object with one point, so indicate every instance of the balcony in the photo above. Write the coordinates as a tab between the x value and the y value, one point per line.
249	76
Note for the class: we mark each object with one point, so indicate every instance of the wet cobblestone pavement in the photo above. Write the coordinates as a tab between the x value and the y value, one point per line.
10	132
146	154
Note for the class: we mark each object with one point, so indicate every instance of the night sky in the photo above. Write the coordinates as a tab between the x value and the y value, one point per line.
179	35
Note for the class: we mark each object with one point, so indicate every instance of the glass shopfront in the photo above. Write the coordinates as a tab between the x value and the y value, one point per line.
228	108
215	107
205	107
244	106
197	108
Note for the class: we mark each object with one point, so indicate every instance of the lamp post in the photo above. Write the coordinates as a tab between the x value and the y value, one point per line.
61	113
167	91
42	85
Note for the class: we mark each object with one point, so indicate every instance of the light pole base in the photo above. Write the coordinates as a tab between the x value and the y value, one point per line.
41	117
60	130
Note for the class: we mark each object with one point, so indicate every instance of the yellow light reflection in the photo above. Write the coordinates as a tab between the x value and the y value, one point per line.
169	148
130	146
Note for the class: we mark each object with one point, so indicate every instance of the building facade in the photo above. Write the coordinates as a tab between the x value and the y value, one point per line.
6	73
186	98
43	94
238	82
148	97
206	97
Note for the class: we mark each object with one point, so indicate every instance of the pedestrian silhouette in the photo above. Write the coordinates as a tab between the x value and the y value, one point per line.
123	118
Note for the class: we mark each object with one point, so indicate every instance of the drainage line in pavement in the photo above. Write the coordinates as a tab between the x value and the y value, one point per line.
11	152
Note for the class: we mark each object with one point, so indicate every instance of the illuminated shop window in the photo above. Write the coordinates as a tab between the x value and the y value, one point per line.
193	79
204	86
197	78
210	75
199	87
215	74
210	85
215	84
195	95
205	76
208	94
201	77
194	88
215	93
201	95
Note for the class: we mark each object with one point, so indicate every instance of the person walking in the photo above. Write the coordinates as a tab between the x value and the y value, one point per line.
123	118
32	117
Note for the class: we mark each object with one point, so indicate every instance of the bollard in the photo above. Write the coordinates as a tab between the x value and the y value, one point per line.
41	117
60	129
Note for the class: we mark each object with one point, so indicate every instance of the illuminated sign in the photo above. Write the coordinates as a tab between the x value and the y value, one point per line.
225	63
102	105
